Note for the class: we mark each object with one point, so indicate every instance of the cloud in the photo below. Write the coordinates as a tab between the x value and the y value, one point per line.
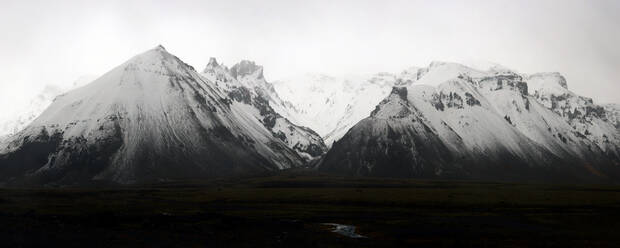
47	42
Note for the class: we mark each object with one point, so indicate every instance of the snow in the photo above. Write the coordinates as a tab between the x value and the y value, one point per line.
485	115
249	75
14	121
480	128
439	72
331	105
546	83
158	104
158	101
613	113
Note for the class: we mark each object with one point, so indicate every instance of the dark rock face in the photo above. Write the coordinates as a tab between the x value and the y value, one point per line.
241	94
397	152
437	103
245	68
398	96
452	100
312	149
401	92
471	100
506	81
30	155
77	162
269	115
573	107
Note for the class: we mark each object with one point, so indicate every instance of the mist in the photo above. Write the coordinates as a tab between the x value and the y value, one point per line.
56	42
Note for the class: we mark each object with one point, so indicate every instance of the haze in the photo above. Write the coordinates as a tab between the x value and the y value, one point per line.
56	42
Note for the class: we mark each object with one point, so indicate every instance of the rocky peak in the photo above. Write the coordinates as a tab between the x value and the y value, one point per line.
160	48
393	106
212	62
549	82
246	68
212	65
401	92
157	60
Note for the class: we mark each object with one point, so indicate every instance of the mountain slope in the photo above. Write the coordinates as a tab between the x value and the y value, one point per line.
152	118
11	123
245	84
332	105
593	122
484	124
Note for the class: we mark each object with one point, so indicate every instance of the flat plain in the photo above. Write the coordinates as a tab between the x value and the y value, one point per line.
290	209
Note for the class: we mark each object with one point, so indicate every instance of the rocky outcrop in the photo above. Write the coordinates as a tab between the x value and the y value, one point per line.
245	83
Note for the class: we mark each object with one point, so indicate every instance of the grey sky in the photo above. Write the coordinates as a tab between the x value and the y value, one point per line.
55	42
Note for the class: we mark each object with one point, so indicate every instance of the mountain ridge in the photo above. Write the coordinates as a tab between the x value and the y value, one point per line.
155	118
494	120
151	118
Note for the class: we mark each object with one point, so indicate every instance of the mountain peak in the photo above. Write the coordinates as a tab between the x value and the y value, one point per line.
214	66
246	68
160	48
212	62
158	60
152	113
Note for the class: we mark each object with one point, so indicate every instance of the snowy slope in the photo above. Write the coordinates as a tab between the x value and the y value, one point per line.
456	121
245	84
331	105
152	118
14	121
586	118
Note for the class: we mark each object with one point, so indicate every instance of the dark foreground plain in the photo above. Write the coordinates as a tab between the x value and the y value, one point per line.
289	210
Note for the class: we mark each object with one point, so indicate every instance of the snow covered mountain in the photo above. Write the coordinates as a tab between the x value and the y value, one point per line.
455	121
245	84
594	121
331	105
15	121
152	118
155	118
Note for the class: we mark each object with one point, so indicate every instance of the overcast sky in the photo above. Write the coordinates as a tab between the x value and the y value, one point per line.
55	42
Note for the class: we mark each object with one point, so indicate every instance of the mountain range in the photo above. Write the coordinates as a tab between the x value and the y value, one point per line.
155	118
456	121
